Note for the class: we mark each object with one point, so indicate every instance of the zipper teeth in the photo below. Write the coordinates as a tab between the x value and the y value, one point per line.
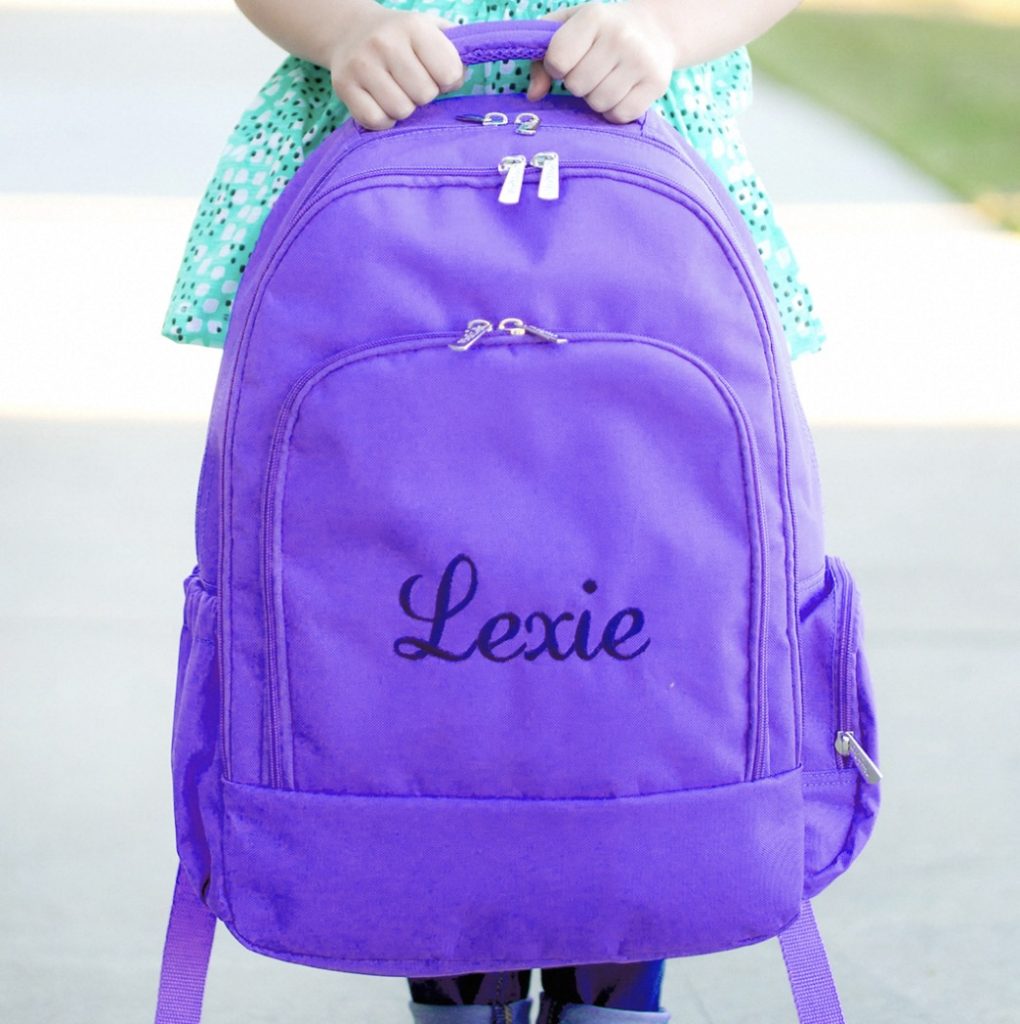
759	761
368	138
759	765
276	773
316	197
845	677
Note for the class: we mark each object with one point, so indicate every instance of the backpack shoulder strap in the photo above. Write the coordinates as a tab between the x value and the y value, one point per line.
189	939
814	991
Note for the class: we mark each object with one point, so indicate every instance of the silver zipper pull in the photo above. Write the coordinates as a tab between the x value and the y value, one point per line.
526	123
514	325
847	746
549	181
475	329
493	117
513	168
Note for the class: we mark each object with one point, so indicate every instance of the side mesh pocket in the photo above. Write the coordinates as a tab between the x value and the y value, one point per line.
194	748
839	739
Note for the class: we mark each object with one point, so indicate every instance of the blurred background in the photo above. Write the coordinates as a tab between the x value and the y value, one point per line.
888	134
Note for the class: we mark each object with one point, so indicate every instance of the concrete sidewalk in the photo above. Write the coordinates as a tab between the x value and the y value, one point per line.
101	431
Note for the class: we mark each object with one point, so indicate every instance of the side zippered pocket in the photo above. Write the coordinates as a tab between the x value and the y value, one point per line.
848	667
504	475
840	740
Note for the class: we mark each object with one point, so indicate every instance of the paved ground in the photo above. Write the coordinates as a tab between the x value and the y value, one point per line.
97	517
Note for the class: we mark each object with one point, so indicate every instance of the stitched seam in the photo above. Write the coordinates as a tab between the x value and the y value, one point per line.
834	673
323	794
637	954
648	140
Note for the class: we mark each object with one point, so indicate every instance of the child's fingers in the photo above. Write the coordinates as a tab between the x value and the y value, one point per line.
591	69
460	81
611	90
411	75
633	105
379	83
540	82
438	57
365	110
570	42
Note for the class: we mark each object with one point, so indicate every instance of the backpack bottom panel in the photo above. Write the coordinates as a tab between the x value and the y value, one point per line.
420	885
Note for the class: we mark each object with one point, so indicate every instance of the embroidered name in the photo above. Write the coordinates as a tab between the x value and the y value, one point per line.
544	630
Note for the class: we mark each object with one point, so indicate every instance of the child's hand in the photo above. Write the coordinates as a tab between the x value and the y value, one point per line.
618	57
389	63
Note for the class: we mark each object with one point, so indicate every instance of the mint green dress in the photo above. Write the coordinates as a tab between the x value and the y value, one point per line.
297	108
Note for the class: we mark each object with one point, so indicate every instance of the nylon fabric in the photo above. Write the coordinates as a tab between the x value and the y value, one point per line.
814	991
186	953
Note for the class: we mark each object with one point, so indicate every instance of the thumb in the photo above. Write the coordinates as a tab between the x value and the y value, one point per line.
540	83
541	80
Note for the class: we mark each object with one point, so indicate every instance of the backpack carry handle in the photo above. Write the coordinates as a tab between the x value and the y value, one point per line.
483	41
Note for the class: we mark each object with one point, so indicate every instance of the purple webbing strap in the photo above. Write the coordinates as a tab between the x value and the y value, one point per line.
189	938
814	991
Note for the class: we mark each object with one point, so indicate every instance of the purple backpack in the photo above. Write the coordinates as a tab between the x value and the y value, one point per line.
513	641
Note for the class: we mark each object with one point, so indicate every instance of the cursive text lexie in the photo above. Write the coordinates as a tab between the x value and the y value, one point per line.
543	629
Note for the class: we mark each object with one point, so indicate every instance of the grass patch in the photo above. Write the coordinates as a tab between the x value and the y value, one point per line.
944	91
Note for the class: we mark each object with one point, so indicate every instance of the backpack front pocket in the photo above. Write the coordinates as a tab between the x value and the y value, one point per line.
520	568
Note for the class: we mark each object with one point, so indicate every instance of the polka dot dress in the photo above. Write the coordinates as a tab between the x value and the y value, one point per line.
297	108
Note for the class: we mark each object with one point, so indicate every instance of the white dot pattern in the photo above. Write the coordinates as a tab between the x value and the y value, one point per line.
297	108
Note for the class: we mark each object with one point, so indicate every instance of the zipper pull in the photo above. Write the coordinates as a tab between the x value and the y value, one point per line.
514	325
847	746
513	168
549	181
493	117
527	123
475	329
